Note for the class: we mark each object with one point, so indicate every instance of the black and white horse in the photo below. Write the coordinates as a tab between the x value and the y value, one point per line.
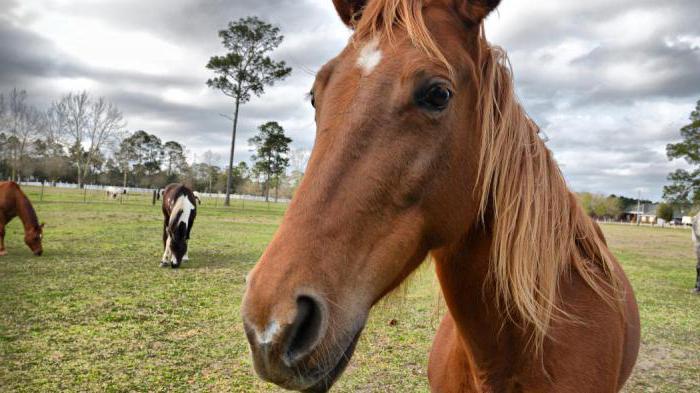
179	212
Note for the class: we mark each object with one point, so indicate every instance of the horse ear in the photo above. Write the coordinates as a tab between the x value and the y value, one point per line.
475	11
349	10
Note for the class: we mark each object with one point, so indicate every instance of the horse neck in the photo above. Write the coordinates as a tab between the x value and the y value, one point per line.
26	212
463	271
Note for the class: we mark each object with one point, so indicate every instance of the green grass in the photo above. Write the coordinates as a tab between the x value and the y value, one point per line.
96	313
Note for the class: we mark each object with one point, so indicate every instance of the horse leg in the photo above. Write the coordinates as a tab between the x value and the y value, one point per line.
167	254
165	261
3	252
165	230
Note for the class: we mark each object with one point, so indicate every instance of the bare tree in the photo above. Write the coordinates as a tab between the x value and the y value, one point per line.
77	107
105	124
210	159
3	127
3	109
31	127
23	123
56	123
89	126
298	158
16	107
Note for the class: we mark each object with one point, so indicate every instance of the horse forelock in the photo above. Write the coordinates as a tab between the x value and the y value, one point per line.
380	18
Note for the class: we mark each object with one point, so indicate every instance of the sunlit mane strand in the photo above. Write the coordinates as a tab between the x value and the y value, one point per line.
539	230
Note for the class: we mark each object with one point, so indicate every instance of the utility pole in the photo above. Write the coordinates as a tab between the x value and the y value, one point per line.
639	211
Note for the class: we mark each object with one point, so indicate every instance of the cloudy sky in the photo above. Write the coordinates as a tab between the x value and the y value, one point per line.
610	82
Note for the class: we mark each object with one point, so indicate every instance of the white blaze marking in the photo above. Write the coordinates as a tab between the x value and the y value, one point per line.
186	206
370	56
269	333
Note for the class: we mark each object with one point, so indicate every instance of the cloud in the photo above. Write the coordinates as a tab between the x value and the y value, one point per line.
610	82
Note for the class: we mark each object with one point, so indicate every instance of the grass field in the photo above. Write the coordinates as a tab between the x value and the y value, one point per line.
96	313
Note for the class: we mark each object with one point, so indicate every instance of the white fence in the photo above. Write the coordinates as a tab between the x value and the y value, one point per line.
665	225
137	190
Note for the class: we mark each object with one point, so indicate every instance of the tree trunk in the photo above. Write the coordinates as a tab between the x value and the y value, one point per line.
86	174
125	179
277	188
13	160
229	176
80	176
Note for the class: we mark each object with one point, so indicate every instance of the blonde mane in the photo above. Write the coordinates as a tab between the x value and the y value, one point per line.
539	231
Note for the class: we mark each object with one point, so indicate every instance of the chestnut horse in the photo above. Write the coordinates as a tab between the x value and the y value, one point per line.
179	212
422	148
14	203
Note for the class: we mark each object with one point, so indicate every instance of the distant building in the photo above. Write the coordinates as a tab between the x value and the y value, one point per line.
682	216
647	214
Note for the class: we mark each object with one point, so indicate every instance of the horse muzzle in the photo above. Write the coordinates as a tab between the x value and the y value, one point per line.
296	355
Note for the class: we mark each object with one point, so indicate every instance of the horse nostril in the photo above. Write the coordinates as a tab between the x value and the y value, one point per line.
305	331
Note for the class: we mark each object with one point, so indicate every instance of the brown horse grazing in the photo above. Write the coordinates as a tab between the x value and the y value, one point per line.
179	212
14	203
422	148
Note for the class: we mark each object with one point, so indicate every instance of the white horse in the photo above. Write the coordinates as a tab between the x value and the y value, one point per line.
113	192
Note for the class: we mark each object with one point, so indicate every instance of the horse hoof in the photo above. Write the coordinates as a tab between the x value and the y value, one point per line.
164	264
3	253
175	265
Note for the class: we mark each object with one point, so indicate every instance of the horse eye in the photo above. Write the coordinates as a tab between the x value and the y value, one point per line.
435	97
312	98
